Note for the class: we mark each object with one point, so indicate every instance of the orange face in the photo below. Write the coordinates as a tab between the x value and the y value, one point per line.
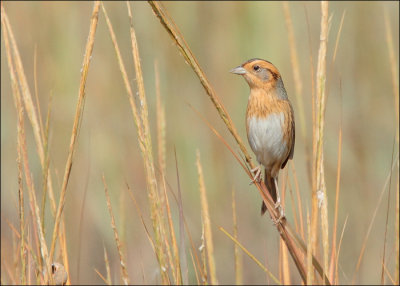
258	72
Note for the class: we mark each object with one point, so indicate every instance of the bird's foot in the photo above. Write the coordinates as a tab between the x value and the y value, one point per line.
257	175
278	207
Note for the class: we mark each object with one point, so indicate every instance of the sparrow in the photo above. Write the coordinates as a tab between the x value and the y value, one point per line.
270	122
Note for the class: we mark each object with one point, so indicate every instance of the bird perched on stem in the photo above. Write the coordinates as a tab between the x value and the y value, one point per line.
269	122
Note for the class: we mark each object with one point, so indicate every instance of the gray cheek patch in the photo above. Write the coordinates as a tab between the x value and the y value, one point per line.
264	75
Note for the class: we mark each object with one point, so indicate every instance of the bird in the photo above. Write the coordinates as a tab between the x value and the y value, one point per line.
270	124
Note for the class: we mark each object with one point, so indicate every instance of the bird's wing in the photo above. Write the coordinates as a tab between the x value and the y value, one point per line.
293	138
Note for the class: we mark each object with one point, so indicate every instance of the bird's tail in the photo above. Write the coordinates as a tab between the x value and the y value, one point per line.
270	184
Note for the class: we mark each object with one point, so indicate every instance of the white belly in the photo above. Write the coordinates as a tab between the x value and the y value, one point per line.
266	139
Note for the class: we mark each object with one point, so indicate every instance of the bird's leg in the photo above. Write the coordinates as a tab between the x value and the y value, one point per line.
278	205
257	174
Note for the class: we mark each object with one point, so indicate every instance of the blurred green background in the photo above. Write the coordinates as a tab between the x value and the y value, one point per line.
221	35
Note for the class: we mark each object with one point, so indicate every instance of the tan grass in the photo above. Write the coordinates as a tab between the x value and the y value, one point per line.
338	172
313	101
269	273
176	262
142	220
395	86
393	65
387	220
338	252
203	254
161	122
77	120
284	261
182	226
319	187
28	102
21	201
298	83
299	201
107	264
157	217
124	272
364	244
206	221
101	276
22	147
144	138
238	257
310	270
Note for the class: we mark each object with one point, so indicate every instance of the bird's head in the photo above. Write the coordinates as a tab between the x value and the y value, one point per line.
258	73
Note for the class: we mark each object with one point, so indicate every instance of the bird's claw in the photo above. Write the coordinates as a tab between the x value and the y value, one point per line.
278	207
257	175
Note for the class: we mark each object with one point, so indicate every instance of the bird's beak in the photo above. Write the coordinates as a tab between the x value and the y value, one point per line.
238	70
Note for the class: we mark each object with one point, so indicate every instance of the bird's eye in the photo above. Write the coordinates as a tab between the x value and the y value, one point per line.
256	68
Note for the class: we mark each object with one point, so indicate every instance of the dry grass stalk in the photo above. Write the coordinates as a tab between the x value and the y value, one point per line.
283	249
296	74
47	161
41	147
142	220
269	273
311	172
202	249
101	276
32	194
161	122
161	126
364	245
36	91
126	81
238	257
319	187
336	281
393	65
293	206
9	272
299	203
27	245
22	151
195	268
21	201
285	264
124	272
107	264
206	221
77	120
176	263
310	270
28	102
46	169
388	274
142	126
157	216
182	226
312	230
387	221
395	86
338	37
338	172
